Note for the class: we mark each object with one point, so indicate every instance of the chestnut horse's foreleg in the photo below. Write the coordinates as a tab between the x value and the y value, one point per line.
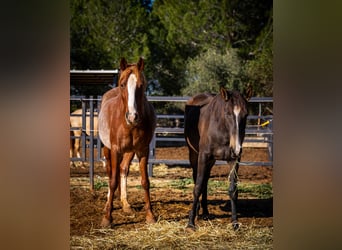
113	170
124	169
145	183
233	193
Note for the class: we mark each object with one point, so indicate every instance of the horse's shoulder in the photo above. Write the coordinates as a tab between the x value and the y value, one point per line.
112	93
77	112
111	100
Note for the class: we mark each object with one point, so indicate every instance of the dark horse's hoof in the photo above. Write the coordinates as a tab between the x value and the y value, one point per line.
235	225
190	228
206	216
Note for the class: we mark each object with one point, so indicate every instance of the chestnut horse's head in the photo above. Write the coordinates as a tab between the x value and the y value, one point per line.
132	85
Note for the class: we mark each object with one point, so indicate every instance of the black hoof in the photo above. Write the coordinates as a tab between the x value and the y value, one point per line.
206	216
235	225
190	228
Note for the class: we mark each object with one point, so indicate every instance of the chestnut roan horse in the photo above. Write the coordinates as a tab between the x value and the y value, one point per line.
214	130
126	126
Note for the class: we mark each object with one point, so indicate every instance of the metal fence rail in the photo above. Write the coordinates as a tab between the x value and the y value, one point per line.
89	106
91	145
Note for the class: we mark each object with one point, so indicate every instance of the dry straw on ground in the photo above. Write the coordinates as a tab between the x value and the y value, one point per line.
172	235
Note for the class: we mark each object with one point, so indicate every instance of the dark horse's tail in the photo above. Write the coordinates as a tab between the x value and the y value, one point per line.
191	133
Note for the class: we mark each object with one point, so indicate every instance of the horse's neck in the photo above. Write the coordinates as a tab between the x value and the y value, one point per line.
217	103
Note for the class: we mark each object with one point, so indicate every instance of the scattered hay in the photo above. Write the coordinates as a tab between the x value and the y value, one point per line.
172	235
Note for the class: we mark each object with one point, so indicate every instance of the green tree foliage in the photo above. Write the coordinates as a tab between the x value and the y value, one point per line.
193	29
212	69
181	41
104	31
259	70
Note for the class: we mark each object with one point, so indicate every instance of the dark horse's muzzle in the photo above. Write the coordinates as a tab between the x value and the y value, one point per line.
234	155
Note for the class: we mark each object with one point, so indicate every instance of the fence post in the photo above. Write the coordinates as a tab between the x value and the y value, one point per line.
83	132
151	155
91	143
99	153
270	142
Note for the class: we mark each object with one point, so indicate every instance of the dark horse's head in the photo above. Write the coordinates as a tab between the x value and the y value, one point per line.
132	85
235	117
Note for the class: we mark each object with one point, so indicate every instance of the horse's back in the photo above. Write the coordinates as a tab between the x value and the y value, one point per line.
76	121
200	99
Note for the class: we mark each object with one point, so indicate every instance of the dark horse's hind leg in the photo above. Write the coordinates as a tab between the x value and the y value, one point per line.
201	170
204	201
233	194
193	156
193	211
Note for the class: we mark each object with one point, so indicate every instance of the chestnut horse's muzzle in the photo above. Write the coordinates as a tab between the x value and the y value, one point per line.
132	118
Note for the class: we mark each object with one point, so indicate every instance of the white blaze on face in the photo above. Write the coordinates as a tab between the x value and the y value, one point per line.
237	137
131	86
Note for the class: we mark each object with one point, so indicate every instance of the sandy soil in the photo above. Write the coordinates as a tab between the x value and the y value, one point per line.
168	202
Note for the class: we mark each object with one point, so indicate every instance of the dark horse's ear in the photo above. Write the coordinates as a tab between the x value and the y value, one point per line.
224	93
123	64
248	93
141	64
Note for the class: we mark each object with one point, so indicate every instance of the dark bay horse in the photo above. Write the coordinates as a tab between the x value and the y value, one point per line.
214	130
126	125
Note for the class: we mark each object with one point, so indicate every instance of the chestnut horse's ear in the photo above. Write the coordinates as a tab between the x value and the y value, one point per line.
224	93
248	93
141	64
123	64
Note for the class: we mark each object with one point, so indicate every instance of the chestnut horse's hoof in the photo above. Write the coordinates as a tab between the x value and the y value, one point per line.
150	220
127	210
105	223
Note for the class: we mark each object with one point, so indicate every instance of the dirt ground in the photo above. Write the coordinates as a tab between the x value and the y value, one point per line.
168	203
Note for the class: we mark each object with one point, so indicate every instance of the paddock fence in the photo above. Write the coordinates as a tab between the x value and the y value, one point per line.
170	131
